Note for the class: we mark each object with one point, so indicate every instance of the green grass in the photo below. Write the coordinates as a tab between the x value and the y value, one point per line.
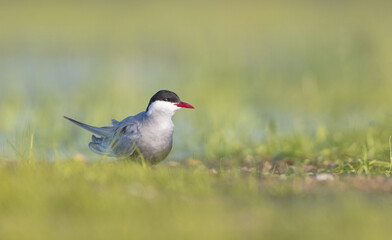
103	200
286	93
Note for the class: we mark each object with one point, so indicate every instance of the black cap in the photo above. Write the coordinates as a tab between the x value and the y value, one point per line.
164	95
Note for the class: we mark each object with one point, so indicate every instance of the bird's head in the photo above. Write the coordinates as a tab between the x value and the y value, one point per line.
165	102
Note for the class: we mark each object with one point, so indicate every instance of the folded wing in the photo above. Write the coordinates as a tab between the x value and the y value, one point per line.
118	140
124	141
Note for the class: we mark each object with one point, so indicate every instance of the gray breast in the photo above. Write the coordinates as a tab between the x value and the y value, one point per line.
156	140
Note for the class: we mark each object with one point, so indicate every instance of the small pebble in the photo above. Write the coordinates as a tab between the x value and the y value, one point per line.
324	177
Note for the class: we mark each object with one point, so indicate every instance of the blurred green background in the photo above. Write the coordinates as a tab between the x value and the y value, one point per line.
249	67
285	91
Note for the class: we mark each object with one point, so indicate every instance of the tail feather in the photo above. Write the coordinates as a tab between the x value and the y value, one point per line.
101	149
100	145
101	131
95	139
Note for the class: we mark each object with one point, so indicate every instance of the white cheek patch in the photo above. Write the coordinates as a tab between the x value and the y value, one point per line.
162	106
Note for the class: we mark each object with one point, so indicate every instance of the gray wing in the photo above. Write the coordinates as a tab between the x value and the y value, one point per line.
121	144
124	139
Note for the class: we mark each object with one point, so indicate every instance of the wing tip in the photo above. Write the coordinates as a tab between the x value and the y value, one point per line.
70	119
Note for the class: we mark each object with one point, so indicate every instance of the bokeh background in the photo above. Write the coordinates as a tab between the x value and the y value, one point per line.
261	74
289	138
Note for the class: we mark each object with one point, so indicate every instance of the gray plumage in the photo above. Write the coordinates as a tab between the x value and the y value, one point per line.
148	133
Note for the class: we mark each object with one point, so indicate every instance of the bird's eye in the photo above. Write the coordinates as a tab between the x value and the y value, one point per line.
165	99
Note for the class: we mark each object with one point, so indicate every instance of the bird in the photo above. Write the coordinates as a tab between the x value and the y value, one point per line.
146	136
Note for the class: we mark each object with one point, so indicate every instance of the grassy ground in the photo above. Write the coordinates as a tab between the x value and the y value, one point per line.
101	200
290	138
